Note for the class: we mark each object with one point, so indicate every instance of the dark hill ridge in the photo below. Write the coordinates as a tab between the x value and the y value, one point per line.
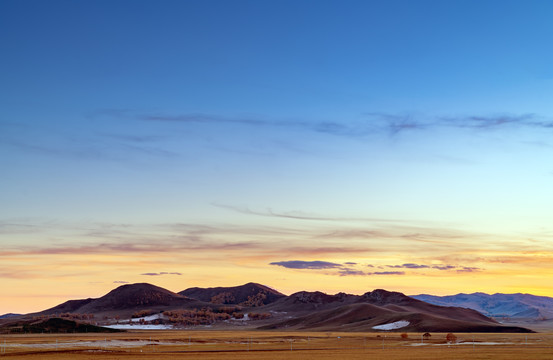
363	313
125	300
384	297
303	310
52	325
250	294
306	301
140	296
401	302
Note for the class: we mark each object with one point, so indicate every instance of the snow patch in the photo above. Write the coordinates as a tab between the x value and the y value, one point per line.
150	318
392	326
475	343
140	327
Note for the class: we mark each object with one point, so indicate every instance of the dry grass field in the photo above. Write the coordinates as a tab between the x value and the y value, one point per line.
273	345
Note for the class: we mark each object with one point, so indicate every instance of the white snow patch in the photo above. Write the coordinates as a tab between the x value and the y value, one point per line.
150	318
485	343
392	326
140	327
470	343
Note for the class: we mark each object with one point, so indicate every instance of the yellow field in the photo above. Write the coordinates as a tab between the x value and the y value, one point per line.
273	345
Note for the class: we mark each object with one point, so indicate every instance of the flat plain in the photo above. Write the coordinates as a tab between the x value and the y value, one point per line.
195	344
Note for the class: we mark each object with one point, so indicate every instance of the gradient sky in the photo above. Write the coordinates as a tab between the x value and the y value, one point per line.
304	145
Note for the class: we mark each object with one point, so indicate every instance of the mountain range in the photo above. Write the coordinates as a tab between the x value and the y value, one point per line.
507	306
255	306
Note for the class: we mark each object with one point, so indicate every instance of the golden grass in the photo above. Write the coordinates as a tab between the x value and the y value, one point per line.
272	345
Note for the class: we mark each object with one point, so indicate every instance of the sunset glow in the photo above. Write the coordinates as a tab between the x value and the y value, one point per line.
303	145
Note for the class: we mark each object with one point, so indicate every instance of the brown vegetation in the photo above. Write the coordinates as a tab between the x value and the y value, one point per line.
143	313
451	338
234	345
259	316
223	298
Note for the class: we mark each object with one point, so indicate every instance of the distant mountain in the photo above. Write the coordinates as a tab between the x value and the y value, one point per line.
343	312
514	306
250	294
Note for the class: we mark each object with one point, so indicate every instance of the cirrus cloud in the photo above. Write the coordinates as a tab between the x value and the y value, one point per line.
161	273
299	264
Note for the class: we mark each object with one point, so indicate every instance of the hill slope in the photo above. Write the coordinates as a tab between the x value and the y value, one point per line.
250	294
342	312
269	309
124	300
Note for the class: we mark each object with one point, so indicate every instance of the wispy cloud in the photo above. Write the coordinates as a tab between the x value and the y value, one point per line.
299	264
134	138
444	267
436	267
494	121
161	273
409	266
295	214
387	273
393	124
341	269
373	123
468	269
351	272
120	282
207	118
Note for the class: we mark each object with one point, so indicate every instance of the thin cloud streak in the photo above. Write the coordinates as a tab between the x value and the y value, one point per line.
311	265
375	123
351	272
161	273
295	215
409	266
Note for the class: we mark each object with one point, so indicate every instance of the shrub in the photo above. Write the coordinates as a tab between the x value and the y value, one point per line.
259	316
404	336
223	298
143	313
237	315
451	338
255	300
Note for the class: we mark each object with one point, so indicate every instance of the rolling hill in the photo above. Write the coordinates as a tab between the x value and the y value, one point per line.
256	306
342	312
125	300
250	294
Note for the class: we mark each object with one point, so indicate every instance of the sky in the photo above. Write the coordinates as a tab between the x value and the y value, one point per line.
339	146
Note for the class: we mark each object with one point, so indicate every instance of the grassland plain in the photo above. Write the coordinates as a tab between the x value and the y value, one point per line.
274	345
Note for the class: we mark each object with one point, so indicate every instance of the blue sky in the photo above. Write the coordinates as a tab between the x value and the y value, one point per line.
267	126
